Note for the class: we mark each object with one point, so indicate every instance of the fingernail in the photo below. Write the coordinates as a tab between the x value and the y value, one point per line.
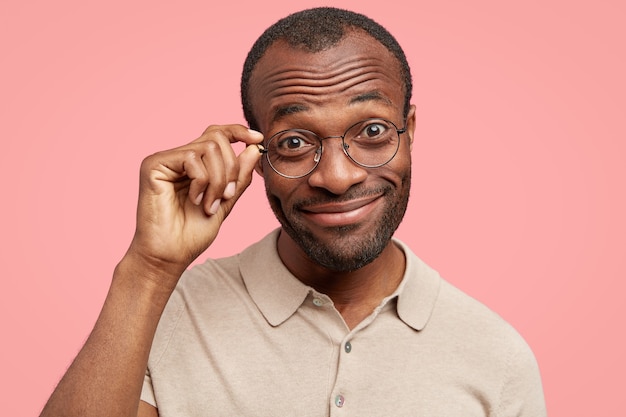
230	189
199	199
215	206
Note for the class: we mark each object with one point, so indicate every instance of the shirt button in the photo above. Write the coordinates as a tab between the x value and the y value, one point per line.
339	401
318	302
348	347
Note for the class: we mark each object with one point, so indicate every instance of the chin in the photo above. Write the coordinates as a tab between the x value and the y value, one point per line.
343	248
350	247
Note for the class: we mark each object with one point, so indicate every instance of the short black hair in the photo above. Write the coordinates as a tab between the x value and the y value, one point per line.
315	30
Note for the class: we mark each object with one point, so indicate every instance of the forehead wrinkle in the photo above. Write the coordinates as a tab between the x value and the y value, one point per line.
289	87
308	92
305	86
326	75
297	106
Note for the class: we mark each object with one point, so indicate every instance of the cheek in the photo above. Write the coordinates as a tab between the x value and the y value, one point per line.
277	188
398	170
401	164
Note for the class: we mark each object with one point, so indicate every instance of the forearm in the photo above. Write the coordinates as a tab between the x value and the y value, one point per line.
184	196
106	377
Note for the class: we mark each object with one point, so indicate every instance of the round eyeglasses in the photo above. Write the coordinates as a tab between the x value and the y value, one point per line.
295	153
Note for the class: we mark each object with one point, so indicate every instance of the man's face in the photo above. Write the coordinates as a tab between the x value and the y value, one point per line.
341	215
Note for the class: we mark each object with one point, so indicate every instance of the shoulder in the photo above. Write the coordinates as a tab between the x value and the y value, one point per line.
459	322
219	278
483	349
450	310
210	293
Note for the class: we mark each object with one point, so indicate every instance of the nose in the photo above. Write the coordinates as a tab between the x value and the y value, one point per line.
336	172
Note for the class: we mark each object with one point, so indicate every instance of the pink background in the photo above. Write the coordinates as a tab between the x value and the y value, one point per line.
518	194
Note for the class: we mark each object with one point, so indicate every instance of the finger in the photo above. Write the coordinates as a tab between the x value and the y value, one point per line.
215	161
195	169
248	158
231	171
221	167
209	164
247	162
233	133
160	170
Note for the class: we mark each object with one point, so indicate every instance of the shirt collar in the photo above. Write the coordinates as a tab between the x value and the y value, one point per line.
418	291
278	293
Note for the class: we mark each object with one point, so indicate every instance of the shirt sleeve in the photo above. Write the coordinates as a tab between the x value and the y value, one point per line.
165	329
147	392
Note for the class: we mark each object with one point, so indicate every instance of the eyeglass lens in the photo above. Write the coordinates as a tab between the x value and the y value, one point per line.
296	152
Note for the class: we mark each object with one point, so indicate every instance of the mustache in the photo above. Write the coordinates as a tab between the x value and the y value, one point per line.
354	193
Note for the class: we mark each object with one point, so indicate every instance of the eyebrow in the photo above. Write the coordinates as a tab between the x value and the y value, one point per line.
370	96
283	111
289	109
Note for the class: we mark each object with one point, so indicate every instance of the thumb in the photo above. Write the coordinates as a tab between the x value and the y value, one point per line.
248	159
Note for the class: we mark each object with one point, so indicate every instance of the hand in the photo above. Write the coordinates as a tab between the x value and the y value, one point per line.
186	193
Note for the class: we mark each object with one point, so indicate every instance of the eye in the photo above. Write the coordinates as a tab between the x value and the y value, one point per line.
291	143
374	130
371	133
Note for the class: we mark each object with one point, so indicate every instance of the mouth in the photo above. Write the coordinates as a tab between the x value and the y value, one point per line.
343	213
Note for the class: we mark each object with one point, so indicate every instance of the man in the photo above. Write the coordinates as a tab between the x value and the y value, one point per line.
327	315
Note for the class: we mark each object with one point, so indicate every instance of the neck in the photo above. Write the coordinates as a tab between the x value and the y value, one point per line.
355	294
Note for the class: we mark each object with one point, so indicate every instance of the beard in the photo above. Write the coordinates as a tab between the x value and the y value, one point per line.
353	246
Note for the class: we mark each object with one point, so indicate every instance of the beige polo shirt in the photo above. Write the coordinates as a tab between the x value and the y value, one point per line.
241	336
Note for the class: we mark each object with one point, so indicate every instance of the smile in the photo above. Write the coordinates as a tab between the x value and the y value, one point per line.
333	214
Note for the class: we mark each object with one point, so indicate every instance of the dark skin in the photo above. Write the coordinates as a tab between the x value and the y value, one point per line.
186	193
327	92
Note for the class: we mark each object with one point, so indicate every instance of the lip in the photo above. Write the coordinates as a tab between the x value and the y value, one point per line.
342	213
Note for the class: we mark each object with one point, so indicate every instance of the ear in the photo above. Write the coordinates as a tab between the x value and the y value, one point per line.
410	125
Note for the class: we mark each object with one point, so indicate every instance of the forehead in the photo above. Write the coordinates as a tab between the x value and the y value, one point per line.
357	71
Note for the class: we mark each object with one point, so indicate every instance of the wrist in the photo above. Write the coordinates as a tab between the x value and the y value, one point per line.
149	276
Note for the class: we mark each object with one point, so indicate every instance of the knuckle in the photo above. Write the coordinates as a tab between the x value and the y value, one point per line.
210	128
211	146
191	155
150	161
216	131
